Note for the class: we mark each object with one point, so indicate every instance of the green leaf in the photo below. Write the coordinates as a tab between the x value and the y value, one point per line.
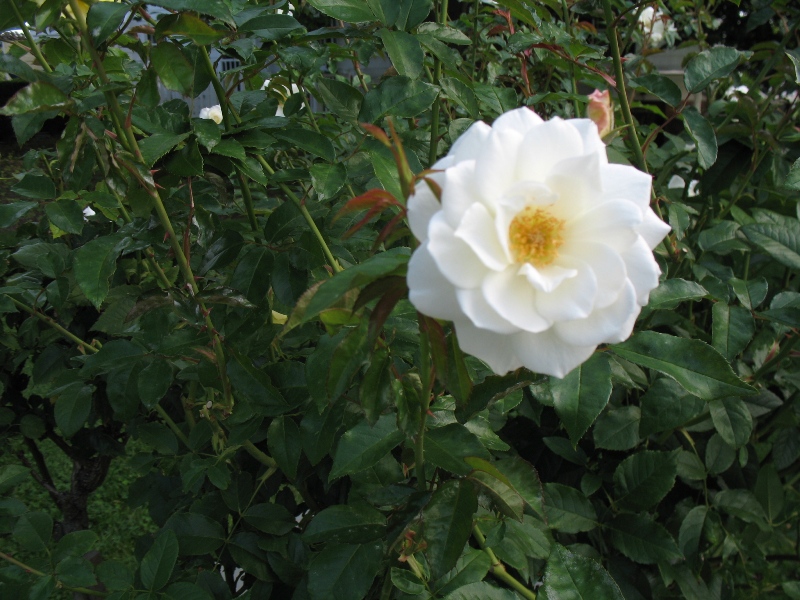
283	441
404	51
481	590
104	18
341	98
448	524
643	540
618	429
157	564
363	446
492	389
567	509
12	475
76	543
570	576
351	11
257	388
385	10
67	215
398	97
411	13
158	144
732	420
116	576
173	67
794	56
94	264
769	491
751	293
781	241
10	213
472	567
731	330
691	531
345	523
14	66
270	518
75	571
344	571
661	86
705	67
406	581
744	505
793	177
703	134
689	466
194	534
213	8
692	363
189	26
719	455
672	292
643	479
581	396
153	382
448	446
310	141
73	406
462	94
33	531
328	179
505	497
35	186
35	98
252	274
273	27
666	405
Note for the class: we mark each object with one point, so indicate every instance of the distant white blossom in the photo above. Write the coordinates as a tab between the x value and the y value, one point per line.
656	26
88	212
212	112
281	92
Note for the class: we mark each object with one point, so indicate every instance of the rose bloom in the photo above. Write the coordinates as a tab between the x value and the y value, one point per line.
212	112
539	249
655	25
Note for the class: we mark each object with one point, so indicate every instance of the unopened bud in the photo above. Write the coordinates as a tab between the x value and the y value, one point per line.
601	111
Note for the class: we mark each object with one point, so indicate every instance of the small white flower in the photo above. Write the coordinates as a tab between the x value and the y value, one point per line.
282	94
88	212
540	248
677	183
656	25
212	112
732	91
289	10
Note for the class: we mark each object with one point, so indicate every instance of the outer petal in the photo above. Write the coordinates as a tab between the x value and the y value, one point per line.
652	229
607	265
612	223
602	325
520	120
547	353
623	181
592	142
459	191
494	167
455	259
477	230
572	299
421	208
543	147
642	269
469	144
492	348
480	313
546	279
513	297
576	181
428	290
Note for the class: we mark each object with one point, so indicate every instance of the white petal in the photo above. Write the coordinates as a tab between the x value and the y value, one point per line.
607	264
652	229
576	180
612	222
481	314
455	259
513	297
492	348
469	143
572	299
544	146
477	230
547	353
546	279
592	142
421	208
628	183
520	120
494	167
604	324
458	191
642	269
428	290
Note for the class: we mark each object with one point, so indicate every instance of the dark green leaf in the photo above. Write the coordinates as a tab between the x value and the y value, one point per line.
158	144
213	8
273	519
448	446
582	395
412	13
769	491
674	291
406	581
781	241
344	571
744	505
404	51
618	429
33	531
570	576
283	441
36	97
73	406
719	455
94	264
703	135
399	97
310	141
257	388
159	561
351	11
341	98
643	479
173	67
692	363
252	274
196	533
705	67
104	18
492	389
154	381
448	524
471	567
666	405
731	330
11	475
328	179
732	420
75	571
661	86
793	177
189	26
643	540
481	590
794	56
10	213
363	446
567	509
345	523
692	530
66	215
462	94
35	186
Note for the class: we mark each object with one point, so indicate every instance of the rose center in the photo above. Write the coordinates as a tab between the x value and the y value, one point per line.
535	236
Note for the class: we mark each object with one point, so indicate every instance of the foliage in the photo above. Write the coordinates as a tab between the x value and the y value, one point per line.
236	306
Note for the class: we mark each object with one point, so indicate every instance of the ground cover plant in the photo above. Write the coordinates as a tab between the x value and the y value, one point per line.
284	325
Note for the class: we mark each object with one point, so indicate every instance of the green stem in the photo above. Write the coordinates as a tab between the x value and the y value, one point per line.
498	569
622	93
425	376
22	565
173	426
264	459
52	323
437	74
35	50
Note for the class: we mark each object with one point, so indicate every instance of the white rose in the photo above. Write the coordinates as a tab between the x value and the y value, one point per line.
540	249
281	92
655	25
212	112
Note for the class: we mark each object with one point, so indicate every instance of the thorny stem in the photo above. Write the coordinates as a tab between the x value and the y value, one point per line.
173	426
264	459
52	323
498	569
622	93
425	376
437	74
34	46
79	590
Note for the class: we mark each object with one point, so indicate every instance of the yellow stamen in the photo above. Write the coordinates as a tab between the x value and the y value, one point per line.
534	236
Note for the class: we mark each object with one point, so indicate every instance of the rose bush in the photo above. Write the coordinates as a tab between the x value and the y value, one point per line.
539	249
